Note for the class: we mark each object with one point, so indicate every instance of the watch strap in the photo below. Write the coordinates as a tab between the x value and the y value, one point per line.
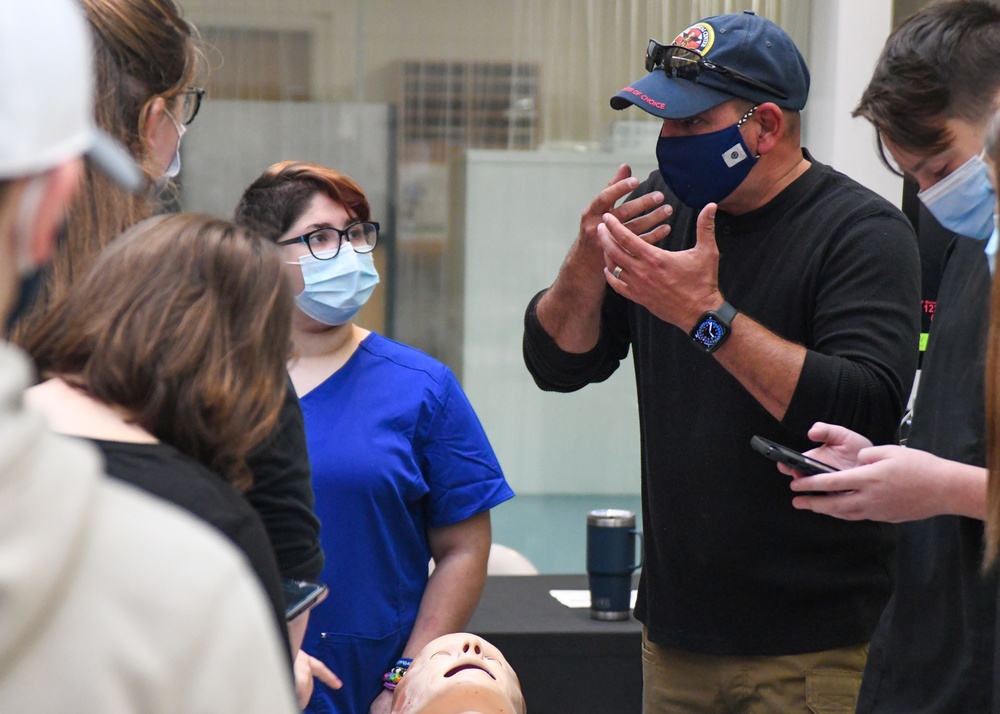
725	313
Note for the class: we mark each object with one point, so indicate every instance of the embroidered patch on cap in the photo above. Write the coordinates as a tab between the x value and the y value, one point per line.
698	37
734	155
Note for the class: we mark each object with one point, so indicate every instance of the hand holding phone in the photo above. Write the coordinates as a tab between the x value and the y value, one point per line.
300	596
789	457
808	466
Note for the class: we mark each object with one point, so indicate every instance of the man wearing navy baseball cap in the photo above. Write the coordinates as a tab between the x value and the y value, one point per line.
759	291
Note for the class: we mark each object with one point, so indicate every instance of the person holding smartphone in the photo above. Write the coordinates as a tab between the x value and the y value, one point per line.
931	97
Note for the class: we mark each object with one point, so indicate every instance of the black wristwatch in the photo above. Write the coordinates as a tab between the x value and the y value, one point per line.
713	328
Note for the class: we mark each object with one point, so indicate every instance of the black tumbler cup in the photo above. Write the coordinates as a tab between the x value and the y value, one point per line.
611	541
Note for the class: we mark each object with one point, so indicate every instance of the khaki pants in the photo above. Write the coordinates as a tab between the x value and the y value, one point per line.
676	682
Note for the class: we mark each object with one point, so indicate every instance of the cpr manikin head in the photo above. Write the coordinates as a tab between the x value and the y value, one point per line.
459	674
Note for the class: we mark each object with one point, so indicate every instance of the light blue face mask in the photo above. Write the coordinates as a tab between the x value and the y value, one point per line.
964	200
336	289
175	163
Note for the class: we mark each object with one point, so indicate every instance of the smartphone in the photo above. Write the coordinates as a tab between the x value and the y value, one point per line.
789	457
300	596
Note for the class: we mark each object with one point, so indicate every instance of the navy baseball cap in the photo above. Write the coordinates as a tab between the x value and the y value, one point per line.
718	58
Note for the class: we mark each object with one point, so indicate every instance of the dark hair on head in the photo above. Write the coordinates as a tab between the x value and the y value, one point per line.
941	63
992	534
143	50
280	195
184	322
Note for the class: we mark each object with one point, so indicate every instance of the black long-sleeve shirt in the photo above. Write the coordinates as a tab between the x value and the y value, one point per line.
731	568
933	650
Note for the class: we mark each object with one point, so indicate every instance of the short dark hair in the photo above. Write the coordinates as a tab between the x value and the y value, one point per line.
280	195
941	63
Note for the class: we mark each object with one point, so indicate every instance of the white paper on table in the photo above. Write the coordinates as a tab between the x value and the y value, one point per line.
580	598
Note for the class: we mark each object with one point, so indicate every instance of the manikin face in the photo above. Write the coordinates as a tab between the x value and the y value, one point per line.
459	674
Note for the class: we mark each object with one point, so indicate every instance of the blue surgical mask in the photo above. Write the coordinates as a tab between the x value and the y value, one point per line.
964	200
705	168
336	289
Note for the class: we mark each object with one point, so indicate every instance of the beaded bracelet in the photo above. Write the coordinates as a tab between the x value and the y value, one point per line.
391	678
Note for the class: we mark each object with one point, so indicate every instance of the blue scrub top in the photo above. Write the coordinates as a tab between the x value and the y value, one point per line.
395	449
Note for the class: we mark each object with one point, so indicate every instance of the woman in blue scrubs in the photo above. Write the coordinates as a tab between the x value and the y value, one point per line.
402	470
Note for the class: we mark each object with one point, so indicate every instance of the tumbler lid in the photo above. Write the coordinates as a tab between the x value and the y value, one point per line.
611	518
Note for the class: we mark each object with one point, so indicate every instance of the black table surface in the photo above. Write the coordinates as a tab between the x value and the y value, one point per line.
565	661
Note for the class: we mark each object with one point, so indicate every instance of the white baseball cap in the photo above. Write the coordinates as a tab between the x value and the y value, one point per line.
47	94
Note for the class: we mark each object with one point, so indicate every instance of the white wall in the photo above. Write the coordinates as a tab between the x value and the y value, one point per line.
845	41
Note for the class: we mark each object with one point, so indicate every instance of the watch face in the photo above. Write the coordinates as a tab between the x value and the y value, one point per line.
709	332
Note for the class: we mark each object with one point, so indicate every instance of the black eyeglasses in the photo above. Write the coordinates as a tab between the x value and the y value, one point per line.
682	63
192	103
324	243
